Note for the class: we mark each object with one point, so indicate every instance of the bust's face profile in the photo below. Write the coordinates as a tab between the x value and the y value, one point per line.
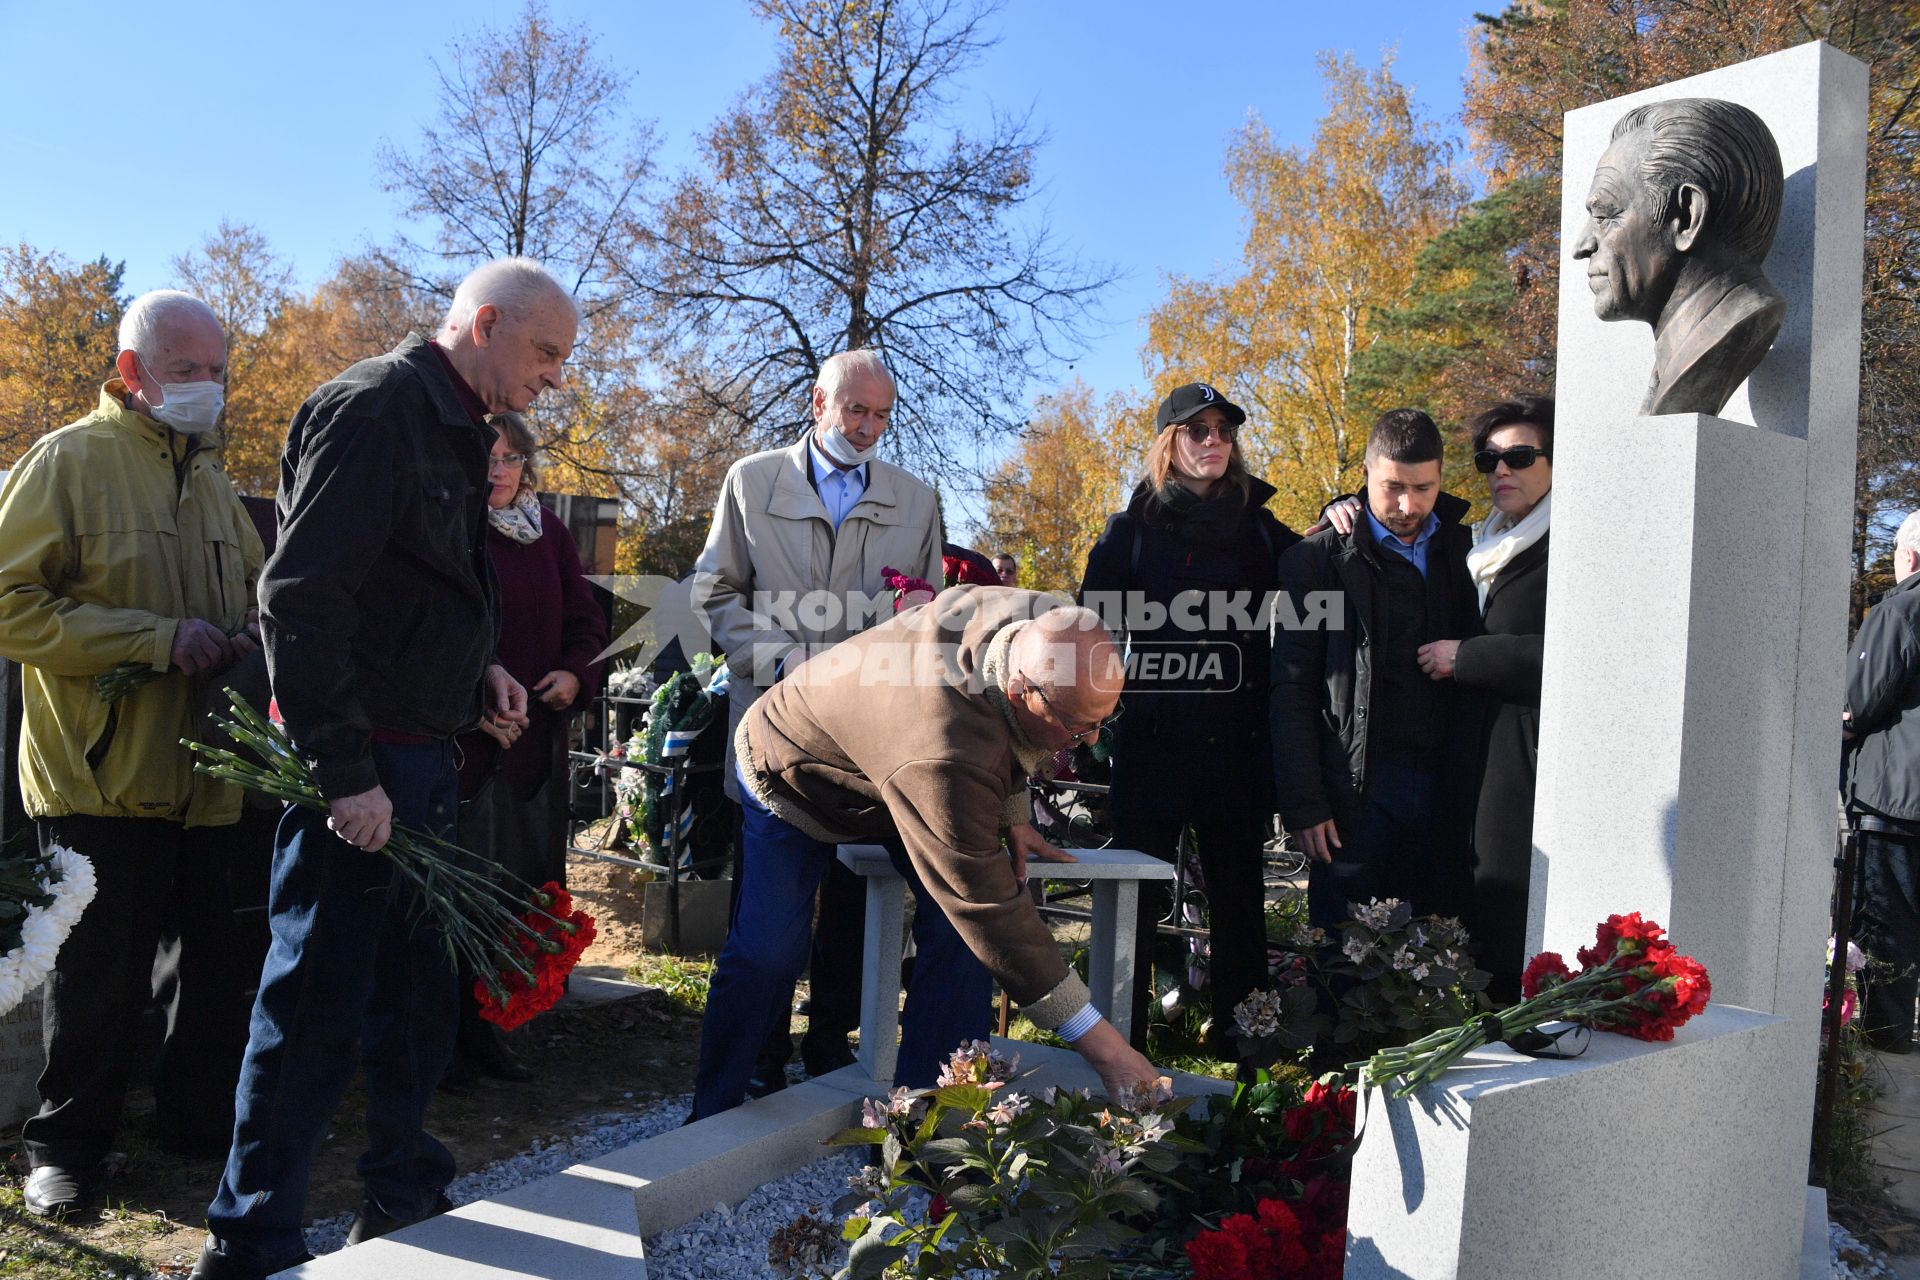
1632	259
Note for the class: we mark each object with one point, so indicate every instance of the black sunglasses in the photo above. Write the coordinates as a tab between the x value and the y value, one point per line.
1518	458
1199	431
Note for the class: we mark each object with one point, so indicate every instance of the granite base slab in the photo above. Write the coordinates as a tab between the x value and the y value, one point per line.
1636	1159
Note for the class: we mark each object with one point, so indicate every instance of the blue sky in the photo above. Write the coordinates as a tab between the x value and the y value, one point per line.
131	130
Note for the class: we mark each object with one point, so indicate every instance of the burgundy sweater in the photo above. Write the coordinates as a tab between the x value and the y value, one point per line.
549	621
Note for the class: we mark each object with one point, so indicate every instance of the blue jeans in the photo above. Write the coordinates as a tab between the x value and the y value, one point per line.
1387	856
351	959
950	999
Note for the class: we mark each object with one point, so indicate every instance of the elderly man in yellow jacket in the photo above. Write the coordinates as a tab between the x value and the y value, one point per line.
123	543
796	562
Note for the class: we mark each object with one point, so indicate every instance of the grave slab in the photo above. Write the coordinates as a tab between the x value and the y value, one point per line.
590	1219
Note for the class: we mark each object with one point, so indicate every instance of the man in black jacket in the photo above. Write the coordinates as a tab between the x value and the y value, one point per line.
381	622
1362	737
1882	718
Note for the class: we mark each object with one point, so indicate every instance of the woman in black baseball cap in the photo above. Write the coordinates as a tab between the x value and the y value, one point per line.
1191	753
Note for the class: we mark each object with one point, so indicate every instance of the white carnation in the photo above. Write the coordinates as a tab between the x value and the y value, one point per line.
43	931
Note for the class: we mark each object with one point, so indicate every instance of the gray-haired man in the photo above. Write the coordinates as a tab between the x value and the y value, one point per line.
122	542
380	624
1882	719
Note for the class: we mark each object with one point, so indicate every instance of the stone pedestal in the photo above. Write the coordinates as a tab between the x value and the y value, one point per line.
22	1055
1634	1160
1689	754
1696	612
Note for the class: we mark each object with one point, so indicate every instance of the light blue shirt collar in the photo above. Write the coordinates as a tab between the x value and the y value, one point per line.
839	490
1417	552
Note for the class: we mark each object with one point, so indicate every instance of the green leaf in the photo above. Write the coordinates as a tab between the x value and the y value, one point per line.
945	1151
970	1196
857	1138
870	1255
969	1098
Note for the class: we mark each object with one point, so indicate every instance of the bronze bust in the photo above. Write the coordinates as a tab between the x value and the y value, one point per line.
1684	205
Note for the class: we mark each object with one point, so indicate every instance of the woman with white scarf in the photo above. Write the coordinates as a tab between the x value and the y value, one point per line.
1513	448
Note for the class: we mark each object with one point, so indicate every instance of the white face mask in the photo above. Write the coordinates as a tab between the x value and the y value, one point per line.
191	408
834	443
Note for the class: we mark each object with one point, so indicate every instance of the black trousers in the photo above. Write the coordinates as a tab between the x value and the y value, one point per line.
1229	843
1886	924
160	925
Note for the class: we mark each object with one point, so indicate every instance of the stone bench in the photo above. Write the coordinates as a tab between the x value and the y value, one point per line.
1115	876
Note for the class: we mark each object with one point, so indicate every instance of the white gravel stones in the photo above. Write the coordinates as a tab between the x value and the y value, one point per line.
723	1244
1851	1259
602	1133
731	1244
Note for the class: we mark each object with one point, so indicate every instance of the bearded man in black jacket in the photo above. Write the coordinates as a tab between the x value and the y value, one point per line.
1367	766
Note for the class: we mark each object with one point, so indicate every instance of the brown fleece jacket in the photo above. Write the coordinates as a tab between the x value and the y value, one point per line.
906	729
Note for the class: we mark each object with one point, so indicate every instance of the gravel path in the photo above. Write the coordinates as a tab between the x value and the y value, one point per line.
602	1133
729	1243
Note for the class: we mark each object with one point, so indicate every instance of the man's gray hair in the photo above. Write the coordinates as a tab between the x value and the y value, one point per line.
1723	148
1908	538
151	312
1049	650
515	285
842	367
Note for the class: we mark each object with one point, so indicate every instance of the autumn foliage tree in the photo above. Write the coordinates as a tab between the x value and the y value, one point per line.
533	154
835	207
236	272
1075	465
1332	232
59	333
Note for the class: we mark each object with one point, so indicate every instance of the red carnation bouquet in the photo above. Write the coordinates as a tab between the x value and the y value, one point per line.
965	570
522	941
550	945
1631	980
905	589
1281	1240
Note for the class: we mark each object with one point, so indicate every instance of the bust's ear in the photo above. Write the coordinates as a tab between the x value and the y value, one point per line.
1689	217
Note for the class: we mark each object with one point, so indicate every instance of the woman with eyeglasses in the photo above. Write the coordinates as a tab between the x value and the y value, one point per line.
1180	576
512	782
1513	448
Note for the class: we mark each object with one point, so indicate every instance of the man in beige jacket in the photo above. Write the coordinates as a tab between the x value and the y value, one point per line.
922	731
796	562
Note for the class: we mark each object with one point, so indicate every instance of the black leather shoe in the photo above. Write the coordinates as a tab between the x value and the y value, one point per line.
61	1191
214	1263
760	1085
372	1221
490	1056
